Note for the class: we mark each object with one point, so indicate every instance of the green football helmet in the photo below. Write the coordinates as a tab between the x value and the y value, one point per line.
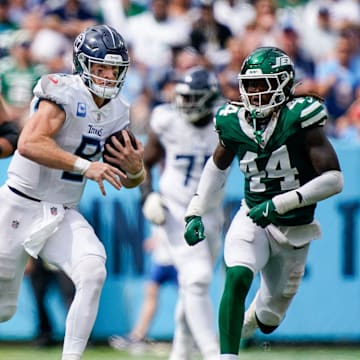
266	81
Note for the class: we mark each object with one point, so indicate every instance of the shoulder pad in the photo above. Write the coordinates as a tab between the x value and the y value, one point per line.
161	116
225	111
53	87
227	124
308	110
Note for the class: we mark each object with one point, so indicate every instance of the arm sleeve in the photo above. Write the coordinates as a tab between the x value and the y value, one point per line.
210	190
320	188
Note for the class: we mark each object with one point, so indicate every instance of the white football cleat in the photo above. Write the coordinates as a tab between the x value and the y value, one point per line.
250	324
128	343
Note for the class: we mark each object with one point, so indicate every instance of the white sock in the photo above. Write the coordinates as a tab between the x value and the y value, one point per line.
71	357
228	357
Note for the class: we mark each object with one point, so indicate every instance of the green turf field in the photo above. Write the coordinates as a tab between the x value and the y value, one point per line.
159	352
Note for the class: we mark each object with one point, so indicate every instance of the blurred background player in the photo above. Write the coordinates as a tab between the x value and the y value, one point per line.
9	133
180	140
289	165
162	271
18	76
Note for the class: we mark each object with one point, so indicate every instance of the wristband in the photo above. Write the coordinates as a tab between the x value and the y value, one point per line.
136	175
81	165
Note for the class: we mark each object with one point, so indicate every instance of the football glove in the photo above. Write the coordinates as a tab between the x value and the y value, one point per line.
264	214
153	208
194	230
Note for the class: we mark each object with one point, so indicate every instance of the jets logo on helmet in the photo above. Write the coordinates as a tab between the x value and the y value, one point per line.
281	61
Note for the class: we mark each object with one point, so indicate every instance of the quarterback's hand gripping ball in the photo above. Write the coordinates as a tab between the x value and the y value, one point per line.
119	136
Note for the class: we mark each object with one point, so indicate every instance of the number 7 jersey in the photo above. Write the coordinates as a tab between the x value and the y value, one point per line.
187	149
279	162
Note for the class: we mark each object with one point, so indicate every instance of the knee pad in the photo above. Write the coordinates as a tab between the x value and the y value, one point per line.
91	272
270	320
265	329
196	286
196	279
7	311
7	268
8	301
8	293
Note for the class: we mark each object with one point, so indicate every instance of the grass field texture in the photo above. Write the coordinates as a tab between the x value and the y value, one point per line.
264	351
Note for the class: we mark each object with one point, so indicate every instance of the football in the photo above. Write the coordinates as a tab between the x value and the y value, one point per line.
119	136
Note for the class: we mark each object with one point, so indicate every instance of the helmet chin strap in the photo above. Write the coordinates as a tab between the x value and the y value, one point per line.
257	133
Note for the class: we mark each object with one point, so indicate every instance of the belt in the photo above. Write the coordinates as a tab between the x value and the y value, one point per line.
17	192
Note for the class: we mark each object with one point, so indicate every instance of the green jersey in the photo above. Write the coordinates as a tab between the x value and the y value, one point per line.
16	84
277	162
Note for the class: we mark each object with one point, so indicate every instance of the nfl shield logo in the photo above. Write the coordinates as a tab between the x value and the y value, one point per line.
15	224
53	210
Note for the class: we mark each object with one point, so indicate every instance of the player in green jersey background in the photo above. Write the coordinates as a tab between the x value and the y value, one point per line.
289	165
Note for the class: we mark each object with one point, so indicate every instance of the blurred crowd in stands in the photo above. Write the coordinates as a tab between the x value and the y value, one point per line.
166	37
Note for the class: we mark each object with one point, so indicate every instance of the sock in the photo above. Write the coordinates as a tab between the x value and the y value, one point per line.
232	307
228	357
70	357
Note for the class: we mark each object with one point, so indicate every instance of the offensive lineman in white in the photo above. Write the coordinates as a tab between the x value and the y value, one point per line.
180	140
58	151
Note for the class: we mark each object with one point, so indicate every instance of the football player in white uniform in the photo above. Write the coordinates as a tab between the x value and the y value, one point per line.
180	140
58	150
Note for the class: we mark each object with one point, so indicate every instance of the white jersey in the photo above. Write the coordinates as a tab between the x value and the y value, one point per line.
83	133
187	149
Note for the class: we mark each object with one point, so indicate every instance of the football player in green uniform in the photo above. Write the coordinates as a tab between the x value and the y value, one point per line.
289	165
